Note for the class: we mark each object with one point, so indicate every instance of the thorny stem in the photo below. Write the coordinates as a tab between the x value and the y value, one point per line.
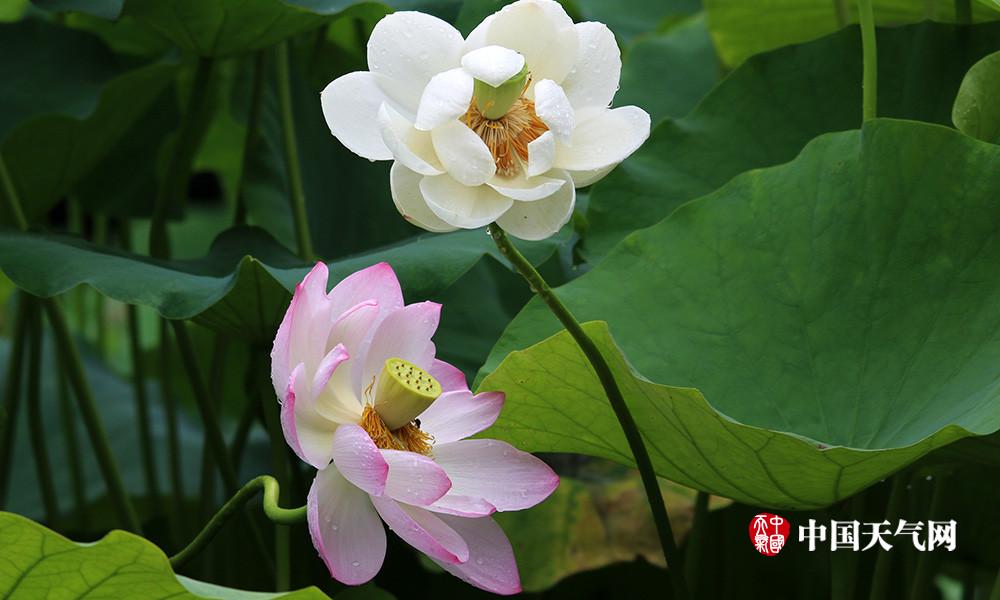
614	394
282	516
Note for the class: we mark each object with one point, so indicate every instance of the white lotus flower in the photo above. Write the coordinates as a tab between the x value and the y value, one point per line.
502	126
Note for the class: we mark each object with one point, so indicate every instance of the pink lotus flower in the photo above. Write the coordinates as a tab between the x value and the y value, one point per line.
365	402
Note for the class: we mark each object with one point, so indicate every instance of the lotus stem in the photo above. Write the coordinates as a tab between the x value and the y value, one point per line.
869	50
297	195
36	425
632	435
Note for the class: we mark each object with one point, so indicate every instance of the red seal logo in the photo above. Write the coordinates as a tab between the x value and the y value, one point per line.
769	533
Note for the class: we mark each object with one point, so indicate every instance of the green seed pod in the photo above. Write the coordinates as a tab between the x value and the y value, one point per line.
494	102
404	391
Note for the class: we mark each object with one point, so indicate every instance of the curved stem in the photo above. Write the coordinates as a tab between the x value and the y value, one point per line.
282	516
297	196
279	462
12	392
869	103
607	379
883	564
36	425
174	183
250	141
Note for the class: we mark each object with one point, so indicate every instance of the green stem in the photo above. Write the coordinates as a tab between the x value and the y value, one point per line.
297	196
922	579
67	420
12	393
883	564
995	594
840	12
250	141
78	381
100	304
274	512
206	408
869	52
603	371
142	407
217	376
279	462
91	418
173	431
173	187
36	425
243	431
963	11
10	192
697	542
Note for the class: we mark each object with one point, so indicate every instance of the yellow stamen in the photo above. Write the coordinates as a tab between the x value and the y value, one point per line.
507	137
409	437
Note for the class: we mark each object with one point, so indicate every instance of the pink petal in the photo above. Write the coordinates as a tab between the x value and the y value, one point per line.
422	530
308	434
462	506
491	565
332	402
496	472
359	460
450	378
414	478
291	342
405	333
326	367
345	529
377	282
457	415
354	325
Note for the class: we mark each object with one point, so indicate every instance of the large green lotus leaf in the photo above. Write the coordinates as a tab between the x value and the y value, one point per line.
242	286
668	73
742	28
40	563
770	107
976	110
64	106
227	27
841	314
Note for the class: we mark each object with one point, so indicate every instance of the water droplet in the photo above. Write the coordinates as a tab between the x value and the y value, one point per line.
355	564
479	561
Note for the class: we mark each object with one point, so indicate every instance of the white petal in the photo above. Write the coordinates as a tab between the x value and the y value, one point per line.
553	108
345	528
541	154
406	49
408	145
445	98
350	105
594	78
542	32
463	206
604	140
405	187
493	64
585	178
463	153
542	218
526	189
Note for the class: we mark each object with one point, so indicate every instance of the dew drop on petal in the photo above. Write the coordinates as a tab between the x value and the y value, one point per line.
355	564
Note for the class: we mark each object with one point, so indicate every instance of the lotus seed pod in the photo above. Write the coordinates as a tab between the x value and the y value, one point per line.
494	102
404	391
